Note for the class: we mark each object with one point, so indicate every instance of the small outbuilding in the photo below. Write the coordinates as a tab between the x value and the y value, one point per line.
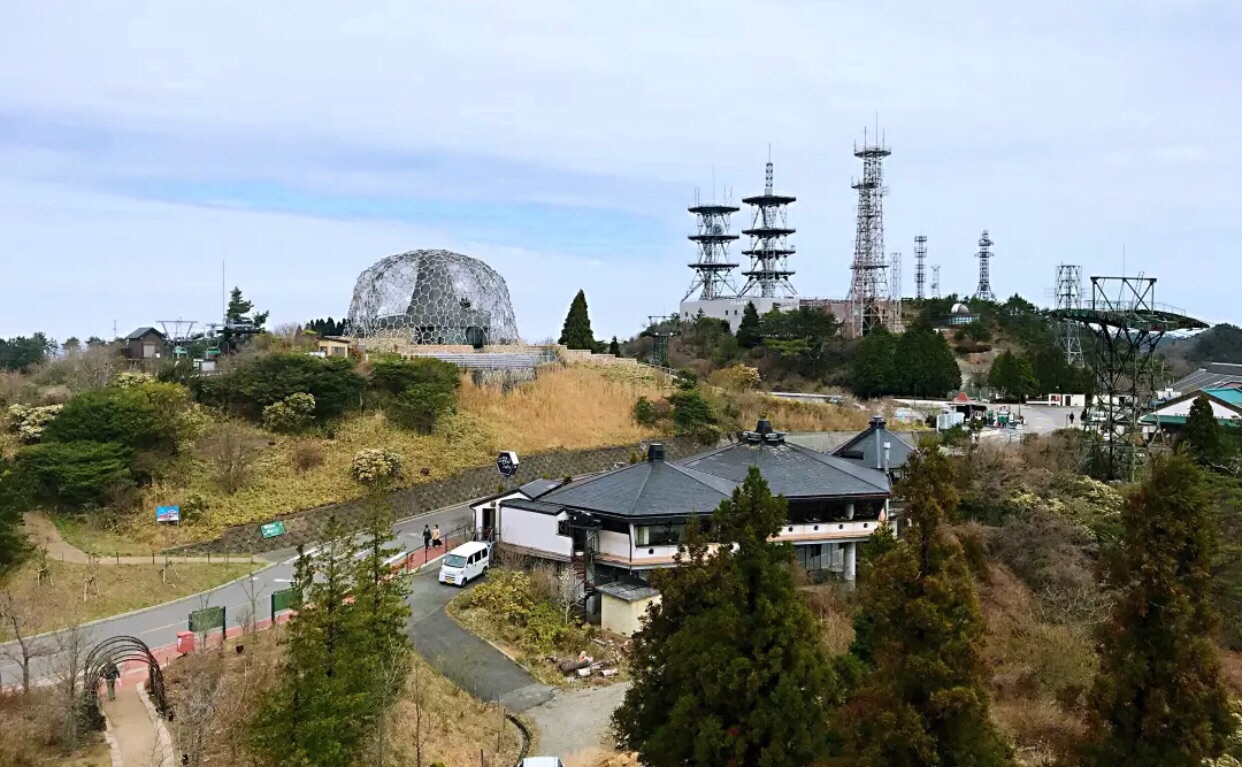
145	344
623	605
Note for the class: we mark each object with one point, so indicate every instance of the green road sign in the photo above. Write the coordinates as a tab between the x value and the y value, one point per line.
281	601
272	529
202	621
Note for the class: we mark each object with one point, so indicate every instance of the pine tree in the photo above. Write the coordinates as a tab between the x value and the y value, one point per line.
1159	698
874	364
926	701
729	668
576	333
748	335
1202	433
239	309
614	348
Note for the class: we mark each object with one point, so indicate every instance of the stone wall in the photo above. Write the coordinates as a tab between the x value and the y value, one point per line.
306	527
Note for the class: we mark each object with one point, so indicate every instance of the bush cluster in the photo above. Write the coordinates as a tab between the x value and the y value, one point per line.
511	596
375	465
415	394
291	415
29	422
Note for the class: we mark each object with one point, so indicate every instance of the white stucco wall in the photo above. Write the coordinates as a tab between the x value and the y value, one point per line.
621	617
533	530
1183	409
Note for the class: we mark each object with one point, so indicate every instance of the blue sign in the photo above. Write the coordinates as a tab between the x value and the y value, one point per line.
167	513
507	463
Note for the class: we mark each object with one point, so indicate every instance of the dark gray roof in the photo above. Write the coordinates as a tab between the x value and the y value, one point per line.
1214	375
867	448
648	489
792	471
140	332
537	487
628	592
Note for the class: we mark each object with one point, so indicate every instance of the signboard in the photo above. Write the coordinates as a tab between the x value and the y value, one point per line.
272	529
206	619
507	462
167	513
281	601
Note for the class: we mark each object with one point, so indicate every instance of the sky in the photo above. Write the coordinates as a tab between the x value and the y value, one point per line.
147	145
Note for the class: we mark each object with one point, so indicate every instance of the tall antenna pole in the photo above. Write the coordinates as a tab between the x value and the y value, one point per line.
869	307
984	291
920	259
935	284
1069	297
711	270
224	304
769	249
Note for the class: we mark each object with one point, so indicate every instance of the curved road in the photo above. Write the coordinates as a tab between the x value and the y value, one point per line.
158	626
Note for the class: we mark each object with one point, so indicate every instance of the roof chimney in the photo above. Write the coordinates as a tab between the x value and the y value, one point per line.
888	453
764	427
655	452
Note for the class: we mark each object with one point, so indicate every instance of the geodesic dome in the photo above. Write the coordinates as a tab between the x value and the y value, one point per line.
433	297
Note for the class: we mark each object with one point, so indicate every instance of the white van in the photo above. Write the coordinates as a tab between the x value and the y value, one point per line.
465	563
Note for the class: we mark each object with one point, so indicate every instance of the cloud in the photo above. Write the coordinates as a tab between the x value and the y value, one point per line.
142	142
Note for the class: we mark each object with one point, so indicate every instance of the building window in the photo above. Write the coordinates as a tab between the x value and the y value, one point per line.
562	527
660	535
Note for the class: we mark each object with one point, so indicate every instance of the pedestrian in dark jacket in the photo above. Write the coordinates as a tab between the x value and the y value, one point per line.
426	540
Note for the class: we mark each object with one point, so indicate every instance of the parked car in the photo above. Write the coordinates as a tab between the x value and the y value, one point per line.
465	563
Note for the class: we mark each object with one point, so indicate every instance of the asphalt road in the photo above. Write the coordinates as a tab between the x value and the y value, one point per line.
158	626
473	664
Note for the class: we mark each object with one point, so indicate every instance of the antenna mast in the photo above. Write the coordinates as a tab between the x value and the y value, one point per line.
935	283
920	259
869	306
769	249
711	271
984	291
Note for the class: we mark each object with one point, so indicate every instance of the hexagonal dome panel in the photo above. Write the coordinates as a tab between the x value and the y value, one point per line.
433	297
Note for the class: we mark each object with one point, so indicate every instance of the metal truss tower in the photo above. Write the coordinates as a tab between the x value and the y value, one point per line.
935	283
769	250
711	271
920	261
1069	296
895	289
984	291
869	306
1127	324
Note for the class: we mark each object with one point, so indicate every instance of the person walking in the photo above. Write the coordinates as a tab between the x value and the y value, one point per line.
111	674
426	541
435	537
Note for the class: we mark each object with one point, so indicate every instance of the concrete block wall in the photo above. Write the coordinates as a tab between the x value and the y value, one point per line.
306	527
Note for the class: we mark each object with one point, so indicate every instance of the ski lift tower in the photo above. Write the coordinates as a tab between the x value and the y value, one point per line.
662	328
179	334
1126	322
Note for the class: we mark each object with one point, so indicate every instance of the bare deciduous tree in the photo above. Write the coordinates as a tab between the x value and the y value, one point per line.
230	449
24	622
72	646
92	368
198	707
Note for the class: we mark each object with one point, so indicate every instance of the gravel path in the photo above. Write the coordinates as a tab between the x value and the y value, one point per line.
576	723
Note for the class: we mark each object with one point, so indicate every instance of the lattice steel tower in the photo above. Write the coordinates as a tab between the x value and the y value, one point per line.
984	291
1069	296
935	286
920	260
869	306
769	250
711	271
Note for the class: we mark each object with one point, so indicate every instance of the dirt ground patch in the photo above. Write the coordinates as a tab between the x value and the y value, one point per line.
576	725
68	595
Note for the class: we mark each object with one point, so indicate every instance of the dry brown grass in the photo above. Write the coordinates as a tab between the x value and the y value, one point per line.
792	415
117	589
834	605
572	407
455	726
30	726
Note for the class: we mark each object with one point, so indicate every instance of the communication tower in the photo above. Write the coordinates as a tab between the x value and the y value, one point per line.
869	306
935	284
1069	296
711	271
895	324
920	260
769	250
984	291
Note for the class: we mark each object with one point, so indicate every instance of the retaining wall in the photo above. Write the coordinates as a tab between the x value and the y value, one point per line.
306	527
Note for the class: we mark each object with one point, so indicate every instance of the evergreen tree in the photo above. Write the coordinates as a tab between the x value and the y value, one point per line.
1013	375
576	333
614	348
925	365
1202	433
728	667
926	701
1159	699
238	311
874	364
748	336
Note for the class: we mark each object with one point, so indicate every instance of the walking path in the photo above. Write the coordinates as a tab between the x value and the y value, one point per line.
135	733
42	532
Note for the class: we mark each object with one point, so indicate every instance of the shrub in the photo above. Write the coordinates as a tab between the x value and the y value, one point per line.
230	450
737	377
393	377
130	378
28	423
73	475
291	415
375	465
264	381
512	597
691	413
420	406
307	456
645	412
143	416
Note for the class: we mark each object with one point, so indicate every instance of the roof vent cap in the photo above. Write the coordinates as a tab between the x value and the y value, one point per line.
764	426
877	422
655	451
